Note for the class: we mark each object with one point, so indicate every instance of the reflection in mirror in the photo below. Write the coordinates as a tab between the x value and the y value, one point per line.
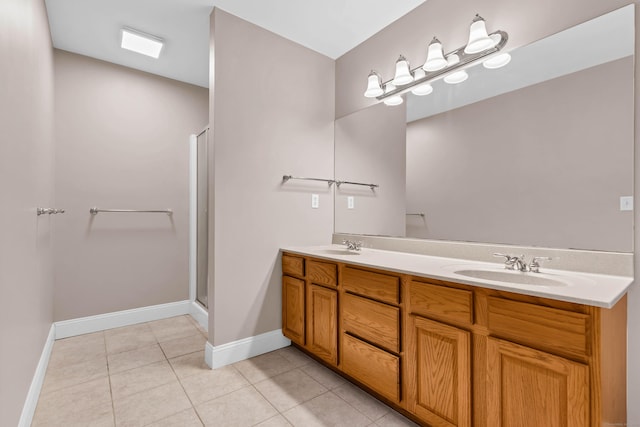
537	153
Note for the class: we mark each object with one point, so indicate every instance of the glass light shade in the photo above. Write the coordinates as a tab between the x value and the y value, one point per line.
457	77
452	59
392	100
497	61
435	57
479	40
373	86
403	72
422	90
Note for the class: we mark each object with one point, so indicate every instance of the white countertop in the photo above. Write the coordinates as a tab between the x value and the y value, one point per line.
598	290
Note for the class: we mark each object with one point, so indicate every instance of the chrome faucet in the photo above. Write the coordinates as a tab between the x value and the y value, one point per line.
518	262
352	245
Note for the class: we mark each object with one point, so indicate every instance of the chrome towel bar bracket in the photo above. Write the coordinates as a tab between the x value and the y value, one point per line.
95	211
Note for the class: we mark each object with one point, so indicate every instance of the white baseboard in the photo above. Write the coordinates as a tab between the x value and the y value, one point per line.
200	315
29	408
101	322
226	354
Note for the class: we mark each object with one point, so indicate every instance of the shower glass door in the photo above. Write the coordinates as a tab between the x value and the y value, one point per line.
202	232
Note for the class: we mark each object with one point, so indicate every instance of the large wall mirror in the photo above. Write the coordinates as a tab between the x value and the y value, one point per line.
537	153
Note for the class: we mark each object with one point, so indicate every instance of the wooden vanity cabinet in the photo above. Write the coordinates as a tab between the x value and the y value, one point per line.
454	355
370	330
310	305
439	356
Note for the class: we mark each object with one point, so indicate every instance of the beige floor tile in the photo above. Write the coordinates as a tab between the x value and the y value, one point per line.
242	408
181	346
59	377
277	421
323	375
362	401
189	364
131	359
139	379
290	389
69	351
214	383
151	405
295	356
173	327
86	404
326	410
187	418
394	419
265	366
129	338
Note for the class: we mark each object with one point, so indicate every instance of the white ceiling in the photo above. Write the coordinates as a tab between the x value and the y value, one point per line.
331	27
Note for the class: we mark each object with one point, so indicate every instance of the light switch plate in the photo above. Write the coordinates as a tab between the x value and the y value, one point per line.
315	201
626	203
351	202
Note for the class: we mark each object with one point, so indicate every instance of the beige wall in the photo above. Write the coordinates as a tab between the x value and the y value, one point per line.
26	182
122	142
519	168
272	114
370	148
526	22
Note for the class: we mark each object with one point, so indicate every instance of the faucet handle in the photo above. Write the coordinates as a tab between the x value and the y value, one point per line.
534	266
509	261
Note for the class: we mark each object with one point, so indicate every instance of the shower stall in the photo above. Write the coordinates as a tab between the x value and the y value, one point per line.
199	218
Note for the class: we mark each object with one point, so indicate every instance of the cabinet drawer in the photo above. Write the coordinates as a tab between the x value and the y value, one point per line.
372	321
373	285
373	367
292	265
322	273
545	328
426	299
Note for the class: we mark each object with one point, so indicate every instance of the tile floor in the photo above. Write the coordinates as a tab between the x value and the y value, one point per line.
153	374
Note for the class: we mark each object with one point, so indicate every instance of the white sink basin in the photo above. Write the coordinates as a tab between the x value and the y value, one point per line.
497	273
515	277
338	252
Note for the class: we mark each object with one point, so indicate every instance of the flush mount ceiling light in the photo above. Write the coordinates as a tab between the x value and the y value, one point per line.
450	67
139	42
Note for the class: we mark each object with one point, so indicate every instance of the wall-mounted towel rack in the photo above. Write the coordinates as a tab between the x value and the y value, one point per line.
372	186
416	214
286	178
95	211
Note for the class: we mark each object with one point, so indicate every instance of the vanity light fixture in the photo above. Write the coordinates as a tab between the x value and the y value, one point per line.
403	72
374	85
450	67
435	57
497	61
423	89
479	40
456	77
142	43
392	100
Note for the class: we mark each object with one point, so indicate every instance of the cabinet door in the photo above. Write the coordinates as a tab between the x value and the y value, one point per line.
439	371
531	388
293	309
322	323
